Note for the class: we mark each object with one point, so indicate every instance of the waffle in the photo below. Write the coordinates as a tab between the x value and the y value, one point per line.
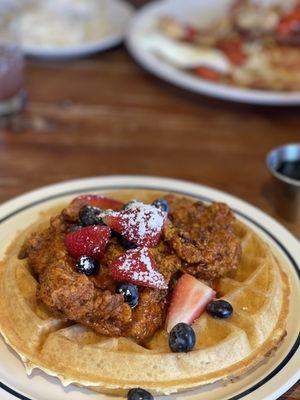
258	291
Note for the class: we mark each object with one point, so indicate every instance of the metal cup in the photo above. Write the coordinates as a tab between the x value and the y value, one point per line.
286	190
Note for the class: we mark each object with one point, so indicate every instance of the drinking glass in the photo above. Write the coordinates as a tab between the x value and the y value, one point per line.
12	92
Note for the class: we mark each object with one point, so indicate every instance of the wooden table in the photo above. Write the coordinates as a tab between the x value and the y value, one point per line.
105	115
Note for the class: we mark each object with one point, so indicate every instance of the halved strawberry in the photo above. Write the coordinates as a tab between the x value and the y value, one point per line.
89	241
139	223
138	266
189	301
102	202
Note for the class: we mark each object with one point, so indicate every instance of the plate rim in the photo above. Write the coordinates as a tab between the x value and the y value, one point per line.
165	71
133	181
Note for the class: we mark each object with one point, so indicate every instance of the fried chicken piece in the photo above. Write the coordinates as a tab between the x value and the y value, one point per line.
197	239
202	237
91	301
167	263
64	290
149	315
43	246
73	294
103	279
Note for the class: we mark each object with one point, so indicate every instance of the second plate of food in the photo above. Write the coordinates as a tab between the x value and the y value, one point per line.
245	51
68	29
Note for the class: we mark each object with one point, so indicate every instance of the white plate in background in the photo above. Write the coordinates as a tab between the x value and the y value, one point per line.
196	12
118	17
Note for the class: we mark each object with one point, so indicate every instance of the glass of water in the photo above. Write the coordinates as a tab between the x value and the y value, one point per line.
12	92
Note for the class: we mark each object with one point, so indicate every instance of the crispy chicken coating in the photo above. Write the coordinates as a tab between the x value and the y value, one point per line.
202	237
149	315
196	239
91	301
64	290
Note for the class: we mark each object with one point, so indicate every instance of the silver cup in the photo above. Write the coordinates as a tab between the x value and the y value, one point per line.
286	190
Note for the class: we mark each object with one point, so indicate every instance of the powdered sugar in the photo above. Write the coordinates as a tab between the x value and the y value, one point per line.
138	266
105	213
140	223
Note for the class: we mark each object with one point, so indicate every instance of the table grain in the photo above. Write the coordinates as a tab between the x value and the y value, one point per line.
104	115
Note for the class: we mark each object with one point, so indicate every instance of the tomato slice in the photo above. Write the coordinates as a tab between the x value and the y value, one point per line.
208	73
190	33
233	49
289	25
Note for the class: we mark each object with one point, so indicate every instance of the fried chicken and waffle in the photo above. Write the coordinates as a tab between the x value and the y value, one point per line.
100	295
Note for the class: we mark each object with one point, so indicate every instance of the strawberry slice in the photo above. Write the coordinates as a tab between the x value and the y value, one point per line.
89	241
189	301
139	223
138	266
104	203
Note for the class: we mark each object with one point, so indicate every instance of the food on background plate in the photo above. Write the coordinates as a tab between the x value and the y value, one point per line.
61	23
255	45
155	295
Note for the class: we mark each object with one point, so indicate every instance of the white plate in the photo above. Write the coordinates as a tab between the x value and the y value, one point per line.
119	14
265	383
197	12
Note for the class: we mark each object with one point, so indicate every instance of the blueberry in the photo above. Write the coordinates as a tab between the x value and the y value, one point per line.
139	394
87	265
75	228
115	234
219	309
182	338
130	293
162	204
90	215
128	205
126	244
